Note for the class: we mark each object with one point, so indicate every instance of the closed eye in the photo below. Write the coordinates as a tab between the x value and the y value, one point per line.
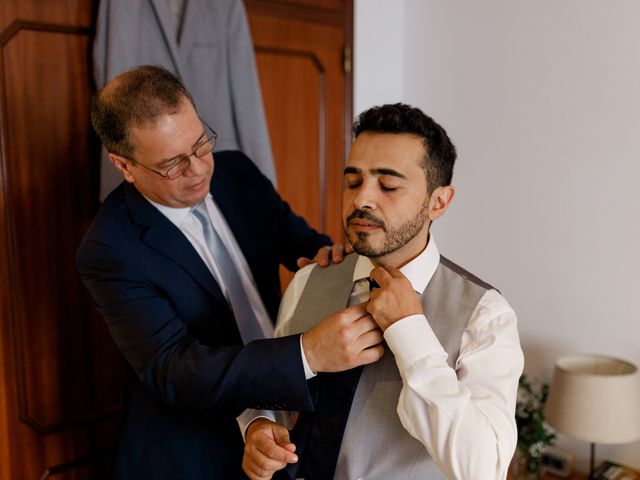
387	189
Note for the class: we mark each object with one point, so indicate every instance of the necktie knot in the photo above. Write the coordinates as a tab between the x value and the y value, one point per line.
372	284
200	212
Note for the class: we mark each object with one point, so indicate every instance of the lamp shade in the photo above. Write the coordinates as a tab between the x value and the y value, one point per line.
595	399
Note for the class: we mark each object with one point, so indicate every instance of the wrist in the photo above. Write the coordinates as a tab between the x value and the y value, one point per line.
255	424
308	371
308	356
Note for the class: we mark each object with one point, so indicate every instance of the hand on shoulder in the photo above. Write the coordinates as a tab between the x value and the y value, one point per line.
327	255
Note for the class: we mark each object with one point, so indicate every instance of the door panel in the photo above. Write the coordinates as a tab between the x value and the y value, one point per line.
297	79
61	374
307	98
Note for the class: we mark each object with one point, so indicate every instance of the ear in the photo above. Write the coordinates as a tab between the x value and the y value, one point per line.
440	200
123	165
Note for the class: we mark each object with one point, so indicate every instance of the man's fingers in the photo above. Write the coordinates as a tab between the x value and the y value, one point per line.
326	255
303	262
334	344
337	252
365	324
371	338
371	355
354	312
381	276
263	457
394	272
257	472
281	436
274	452
323	257
260	466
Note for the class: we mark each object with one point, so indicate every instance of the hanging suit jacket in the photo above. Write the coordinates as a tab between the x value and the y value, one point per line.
214	57
171	321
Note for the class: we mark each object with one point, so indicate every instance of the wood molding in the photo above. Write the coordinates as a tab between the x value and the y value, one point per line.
49	310
18	25
322	119
318	12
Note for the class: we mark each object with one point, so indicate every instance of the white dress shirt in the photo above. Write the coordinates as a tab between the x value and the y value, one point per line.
465	417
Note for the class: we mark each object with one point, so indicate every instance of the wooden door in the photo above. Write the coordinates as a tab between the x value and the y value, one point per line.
60	374
303	57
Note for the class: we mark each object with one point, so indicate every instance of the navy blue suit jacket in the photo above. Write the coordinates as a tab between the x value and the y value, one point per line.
169	318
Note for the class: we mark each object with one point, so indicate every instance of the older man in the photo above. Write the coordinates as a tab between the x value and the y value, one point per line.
183	264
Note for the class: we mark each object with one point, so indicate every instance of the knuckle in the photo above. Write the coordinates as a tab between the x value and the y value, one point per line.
344	333
352	357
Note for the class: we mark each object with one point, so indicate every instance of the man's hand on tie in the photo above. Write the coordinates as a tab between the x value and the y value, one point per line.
267	449
327	255
394	300
343	341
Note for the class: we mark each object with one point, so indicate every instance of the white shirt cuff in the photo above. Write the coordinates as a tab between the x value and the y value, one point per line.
250	415
412	339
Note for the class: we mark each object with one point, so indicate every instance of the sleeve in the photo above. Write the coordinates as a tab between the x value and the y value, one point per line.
248	110
287	307
177	368
464	417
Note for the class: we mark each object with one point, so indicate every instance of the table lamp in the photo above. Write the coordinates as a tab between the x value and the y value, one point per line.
595	399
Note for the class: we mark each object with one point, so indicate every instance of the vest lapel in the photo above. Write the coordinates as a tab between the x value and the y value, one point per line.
326	292
318	435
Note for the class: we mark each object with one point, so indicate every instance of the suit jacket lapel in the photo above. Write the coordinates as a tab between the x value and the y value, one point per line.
191	20
164	237
165	22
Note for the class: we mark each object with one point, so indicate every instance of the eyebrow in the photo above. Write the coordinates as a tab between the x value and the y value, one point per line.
375	171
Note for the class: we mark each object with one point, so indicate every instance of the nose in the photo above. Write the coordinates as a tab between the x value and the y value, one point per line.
364	197
197	166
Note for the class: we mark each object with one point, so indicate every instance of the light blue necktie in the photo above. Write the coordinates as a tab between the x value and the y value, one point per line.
247	322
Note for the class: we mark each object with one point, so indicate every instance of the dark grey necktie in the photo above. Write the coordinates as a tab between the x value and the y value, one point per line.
250	328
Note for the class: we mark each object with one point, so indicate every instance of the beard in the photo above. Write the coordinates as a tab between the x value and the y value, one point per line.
395	238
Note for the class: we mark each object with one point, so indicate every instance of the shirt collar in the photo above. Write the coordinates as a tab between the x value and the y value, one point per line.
418	271
175	215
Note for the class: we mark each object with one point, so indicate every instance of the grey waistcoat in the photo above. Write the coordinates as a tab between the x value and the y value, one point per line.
375	446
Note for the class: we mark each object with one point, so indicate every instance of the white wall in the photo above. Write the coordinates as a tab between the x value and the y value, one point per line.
378	74
543	102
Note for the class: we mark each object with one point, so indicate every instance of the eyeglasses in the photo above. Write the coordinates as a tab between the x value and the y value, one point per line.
204	146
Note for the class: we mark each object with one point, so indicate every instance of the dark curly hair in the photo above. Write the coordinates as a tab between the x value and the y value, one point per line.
137	97
440	153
